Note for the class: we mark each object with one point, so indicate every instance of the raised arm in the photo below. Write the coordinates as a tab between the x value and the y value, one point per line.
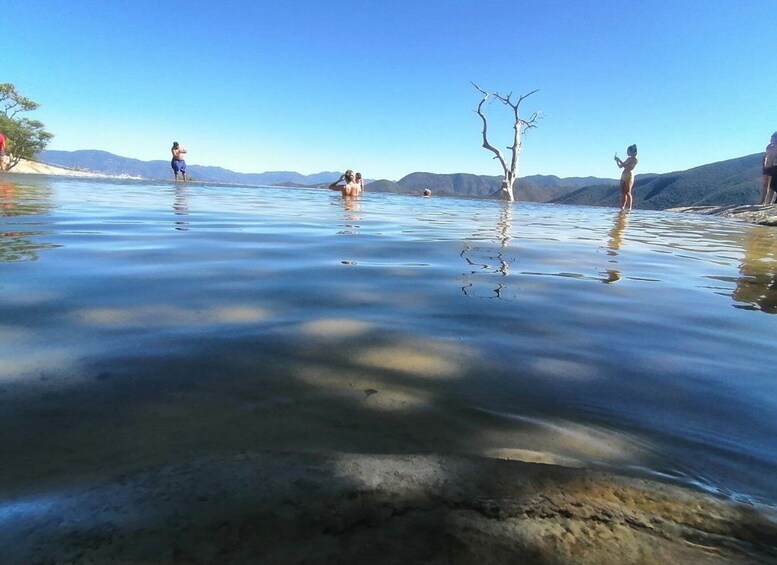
336	185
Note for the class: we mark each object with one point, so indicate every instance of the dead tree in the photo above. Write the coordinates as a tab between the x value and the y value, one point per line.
520	126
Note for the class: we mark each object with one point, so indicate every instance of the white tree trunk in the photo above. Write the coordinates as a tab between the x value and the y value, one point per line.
519	127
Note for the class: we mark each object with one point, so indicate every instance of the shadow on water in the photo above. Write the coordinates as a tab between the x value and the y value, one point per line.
205	442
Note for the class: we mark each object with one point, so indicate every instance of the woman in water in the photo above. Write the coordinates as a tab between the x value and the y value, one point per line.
360	180
627	177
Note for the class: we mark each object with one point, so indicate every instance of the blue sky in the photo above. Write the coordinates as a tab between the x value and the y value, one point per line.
384	87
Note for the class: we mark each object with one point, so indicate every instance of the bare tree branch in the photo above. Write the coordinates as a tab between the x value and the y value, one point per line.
520	126
486	144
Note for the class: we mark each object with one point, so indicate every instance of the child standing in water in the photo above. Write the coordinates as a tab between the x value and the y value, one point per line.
770	171
627	177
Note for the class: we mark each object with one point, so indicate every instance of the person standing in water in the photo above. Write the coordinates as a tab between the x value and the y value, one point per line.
360	180
627	177
770	171
178	164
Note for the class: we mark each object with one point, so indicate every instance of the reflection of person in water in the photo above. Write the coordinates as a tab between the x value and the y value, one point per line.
614	244
756	287
181	208
17	245
7	192
351	207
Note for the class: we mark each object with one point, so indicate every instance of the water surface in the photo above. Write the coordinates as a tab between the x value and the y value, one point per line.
144	323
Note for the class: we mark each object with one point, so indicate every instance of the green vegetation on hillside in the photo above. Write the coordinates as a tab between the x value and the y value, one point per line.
731	182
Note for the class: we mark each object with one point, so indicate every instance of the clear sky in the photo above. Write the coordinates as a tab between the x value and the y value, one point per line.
384	86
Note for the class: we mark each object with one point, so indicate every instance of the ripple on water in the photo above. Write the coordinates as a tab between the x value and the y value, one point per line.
537	332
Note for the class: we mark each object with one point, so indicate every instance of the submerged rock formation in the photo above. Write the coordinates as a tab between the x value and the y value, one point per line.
762	214
281	507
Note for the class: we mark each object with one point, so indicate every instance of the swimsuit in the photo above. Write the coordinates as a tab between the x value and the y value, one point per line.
178	165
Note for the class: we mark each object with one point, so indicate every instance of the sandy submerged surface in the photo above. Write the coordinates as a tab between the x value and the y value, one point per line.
217	474
284	507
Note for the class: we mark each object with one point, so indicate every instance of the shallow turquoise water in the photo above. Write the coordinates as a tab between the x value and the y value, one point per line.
143	321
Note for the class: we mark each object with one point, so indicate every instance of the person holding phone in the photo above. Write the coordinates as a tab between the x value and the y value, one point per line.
627	177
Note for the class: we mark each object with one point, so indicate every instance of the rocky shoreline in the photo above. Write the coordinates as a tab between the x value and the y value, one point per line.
285	507
761	214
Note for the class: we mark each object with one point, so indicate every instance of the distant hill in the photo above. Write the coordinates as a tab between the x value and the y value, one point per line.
731	182
110	164
735	181
535	188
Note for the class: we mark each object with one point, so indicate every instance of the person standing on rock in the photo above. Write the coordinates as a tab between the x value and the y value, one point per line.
770	172
627	177
178	164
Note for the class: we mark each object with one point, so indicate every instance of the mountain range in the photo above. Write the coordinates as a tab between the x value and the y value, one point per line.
731	182
115	165
734	181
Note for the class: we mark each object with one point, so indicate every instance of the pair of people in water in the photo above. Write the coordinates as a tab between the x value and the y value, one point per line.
769	182
349	184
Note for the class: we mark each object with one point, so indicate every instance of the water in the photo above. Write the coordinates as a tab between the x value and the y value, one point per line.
144	323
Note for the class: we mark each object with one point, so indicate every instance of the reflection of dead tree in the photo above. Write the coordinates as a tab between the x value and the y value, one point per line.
520	126
503	227
503	269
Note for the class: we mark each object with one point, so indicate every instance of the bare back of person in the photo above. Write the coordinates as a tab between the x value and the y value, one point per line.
351	188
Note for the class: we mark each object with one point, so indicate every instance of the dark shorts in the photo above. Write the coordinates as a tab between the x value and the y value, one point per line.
178	165
771	172
2	153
